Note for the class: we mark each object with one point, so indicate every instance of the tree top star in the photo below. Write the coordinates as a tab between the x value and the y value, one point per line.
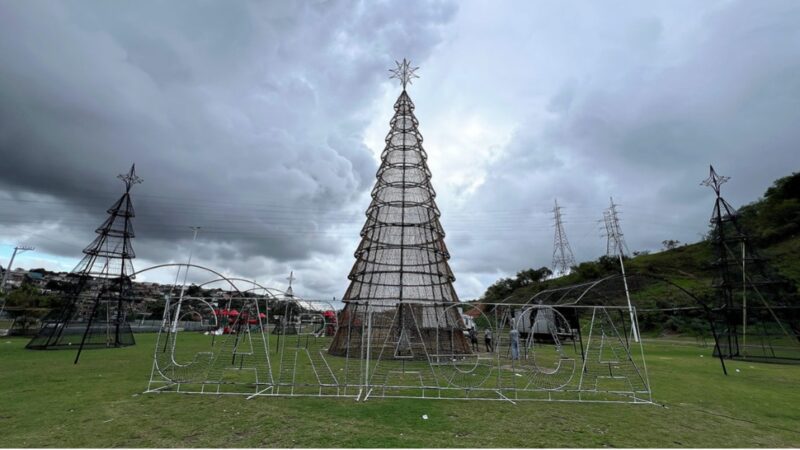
130	178
404	72
714	181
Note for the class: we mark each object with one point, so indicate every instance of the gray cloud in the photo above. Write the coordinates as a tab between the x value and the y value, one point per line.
262	123
244	118
643	126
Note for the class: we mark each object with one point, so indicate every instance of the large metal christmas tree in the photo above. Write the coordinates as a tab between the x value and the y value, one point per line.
401	286
95	306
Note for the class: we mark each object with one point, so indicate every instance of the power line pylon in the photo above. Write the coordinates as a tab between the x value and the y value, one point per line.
615	245
608	234
563	258
289	290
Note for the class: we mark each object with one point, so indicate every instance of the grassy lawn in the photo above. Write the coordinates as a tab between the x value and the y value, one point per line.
46	401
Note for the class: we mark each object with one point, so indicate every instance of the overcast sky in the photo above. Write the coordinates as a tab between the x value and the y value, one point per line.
263	123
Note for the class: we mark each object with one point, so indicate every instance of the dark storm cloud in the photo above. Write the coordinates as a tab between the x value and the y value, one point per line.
250	119
244	118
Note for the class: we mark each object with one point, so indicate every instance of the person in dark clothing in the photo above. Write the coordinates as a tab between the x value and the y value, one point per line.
473	337
514	340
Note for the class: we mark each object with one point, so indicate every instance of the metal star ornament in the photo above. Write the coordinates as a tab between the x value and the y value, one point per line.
130	178
714	181
404	72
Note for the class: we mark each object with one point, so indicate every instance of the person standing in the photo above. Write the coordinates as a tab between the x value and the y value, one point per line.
473	337
487	339
514	338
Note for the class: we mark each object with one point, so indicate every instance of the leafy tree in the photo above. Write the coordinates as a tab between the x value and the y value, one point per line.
501	289
531	276
194	291
776	216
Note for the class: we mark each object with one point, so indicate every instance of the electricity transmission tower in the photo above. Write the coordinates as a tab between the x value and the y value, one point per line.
289	290
563	259
615	245
608	233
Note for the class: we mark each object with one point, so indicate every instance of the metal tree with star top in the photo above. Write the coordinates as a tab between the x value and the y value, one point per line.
401	282
757	322
95	306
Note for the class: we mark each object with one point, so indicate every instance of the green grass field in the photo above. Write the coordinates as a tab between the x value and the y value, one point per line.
46	401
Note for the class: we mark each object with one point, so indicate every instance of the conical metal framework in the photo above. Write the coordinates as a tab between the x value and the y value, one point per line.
94	312
401	273
754	326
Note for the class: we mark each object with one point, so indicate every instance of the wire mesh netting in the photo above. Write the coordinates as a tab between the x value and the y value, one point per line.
96	318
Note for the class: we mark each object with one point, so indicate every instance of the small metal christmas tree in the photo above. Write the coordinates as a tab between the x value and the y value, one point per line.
401	285
756	323
95	306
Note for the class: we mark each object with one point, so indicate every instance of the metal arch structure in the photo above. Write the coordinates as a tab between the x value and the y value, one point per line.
257	285
238	355
240	348
584	289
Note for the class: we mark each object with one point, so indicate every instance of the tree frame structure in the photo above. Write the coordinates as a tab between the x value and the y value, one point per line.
94	314
757	318
401	276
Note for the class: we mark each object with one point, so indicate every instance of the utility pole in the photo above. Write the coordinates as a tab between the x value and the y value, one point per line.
620	249
563	259
20	249
17	249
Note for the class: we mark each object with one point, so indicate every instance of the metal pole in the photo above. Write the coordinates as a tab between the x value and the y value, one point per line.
183	285
174	328
617	238
634	328
744	304
89	325
369	344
